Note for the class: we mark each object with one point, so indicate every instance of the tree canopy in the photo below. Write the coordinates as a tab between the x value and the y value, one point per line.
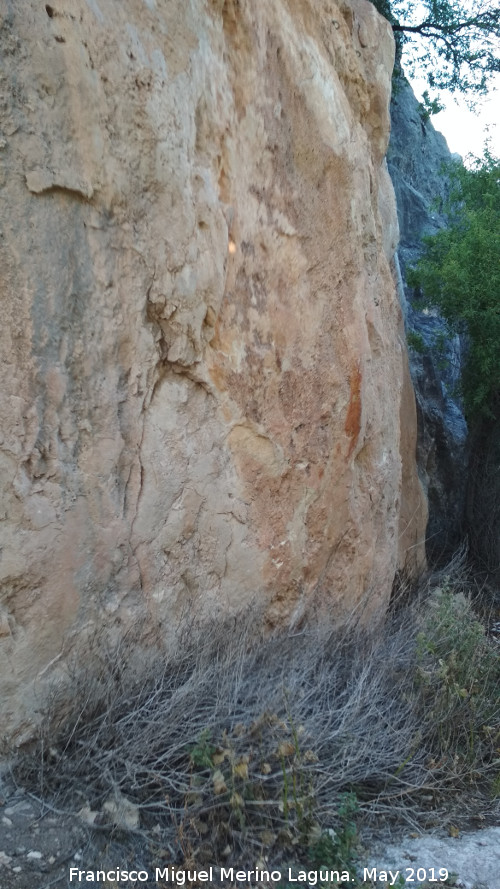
455	43
459	273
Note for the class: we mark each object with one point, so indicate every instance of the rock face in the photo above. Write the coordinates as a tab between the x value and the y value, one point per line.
483	501
203	376
417	153
474	858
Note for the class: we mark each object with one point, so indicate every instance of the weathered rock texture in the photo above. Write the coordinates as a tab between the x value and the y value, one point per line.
416	158
473	858
203	374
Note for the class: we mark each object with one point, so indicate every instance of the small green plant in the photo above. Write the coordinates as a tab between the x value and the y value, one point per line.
415	341
202	752
428	107
324	851
336	849
349	807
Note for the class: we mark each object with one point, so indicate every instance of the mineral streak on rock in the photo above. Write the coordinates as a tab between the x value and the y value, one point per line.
202	379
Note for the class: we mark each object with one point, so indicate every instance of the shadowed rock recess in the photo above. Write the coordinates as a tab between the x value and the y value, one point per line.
417	157
205	391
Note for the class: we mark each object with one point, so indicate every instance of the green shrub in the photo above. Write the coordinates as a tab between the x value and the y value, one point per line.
336	849
459	274
458	682
415	341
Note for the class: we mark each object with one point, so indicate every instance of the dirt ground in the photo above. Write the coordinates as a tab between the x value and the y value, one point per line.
39	845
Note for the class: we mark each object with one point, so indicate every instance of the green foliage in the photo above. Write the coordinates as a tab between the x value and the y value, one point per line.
459	273
458	678
201	753
415	341
455	42
427	107
335	850
255	782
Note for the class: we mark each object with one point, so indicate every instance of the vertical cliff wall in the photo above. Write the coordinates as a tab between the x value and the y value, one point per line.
417	157
204	390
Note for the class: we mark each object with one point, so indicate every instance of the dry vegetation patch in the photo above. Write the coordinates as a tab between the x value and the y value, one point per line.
245	749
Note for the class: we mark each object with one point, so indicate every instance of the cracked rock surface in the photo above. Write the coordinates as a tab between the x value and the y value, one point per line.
204	392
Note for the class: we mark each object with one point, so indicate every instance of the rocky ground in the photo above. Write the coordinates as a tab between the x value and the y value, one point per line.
39	844
471	859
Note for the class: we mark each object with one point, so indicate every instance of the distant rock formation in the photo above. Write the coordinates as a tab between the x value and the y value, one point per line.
416	157
205	391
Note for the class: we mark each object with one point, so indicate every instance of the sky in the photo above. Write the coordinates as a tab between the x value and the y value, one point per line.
466	131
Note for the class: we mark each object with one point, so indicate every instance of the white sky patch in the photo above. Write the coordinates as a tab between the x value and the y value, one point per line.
466	131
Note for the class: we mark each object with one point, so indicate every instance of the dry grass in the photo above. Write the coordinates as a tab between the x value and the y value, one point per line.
243	745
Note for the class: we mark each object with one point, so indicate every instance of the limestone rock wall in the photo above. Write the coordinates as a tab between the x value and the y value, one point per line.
203	375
